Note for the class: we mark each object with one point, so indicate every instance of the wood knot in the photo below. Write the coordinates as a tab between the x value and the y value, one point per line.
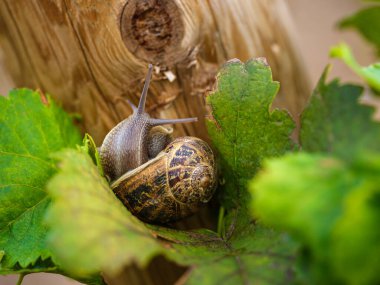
153	30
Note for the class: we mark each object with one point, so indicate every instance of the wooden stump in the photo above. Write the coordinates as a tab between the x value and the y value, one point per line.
91	55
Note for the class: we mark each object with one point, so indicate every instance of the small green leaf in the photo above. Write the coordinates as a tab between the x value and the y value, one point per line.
90	148
370	74
367	22
334	121
331	206
90	230
32	126
244	129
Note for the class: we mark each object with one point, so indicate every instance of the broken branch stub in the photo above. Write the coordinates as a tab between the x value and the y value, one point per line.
161	32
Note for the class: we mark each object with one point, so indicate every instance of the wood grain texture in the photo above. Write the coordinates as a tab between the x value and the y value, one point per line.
6	82
76	50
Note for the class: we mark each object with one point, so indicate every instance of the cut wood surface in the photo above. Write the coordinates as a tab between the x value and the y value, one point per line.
92	55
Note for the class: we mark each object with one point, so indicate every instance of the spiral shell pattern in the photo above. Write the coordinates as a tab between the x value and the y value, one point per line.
173	185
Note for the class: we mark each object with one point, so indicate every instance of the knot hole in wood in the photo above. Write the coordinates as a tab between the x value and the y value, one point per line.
153	30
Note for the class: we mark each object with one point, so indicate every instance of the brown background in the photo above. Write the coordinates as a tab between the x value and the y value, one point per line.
315	24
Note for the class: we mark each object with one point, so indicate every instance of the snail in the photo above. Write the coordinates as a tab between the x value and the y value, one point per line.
158	180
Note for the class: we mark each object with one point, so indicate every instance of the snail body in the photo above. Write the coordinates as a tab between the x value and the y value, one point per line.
136	139
159	181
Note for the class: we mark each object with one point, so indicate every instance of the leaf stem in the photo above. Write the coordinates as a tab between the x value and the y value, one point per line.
20	279
220	221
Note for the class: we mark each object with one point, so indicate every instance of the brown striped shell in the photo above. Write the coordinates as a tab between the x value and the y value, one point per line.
171	186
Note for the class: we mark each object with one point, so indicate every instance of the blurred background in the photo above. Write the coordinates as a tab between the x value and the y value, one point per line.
315	32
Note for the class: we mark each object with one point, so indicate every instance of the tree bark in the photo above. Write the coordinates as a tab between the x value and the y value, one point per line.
91	55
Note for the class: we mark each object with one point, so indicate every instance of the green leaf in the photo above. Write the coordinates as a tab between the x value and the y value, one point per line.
299	188
370	74
367	22
334	121
32	126
331	206
96	279
244	129
90	148
257	255
90	230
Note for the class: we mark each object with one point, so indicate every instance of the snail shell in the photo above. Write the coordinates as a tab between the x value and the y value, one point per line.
172	185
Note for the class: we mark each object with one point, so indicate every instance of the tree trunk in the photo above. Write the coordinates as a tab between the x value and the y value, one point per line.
92	55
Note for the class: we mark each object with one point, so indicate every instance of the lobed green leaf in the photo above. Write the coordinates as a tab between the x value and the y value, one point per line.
329	205
257	255
334	122
244	129
322	199
32	126
90	229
